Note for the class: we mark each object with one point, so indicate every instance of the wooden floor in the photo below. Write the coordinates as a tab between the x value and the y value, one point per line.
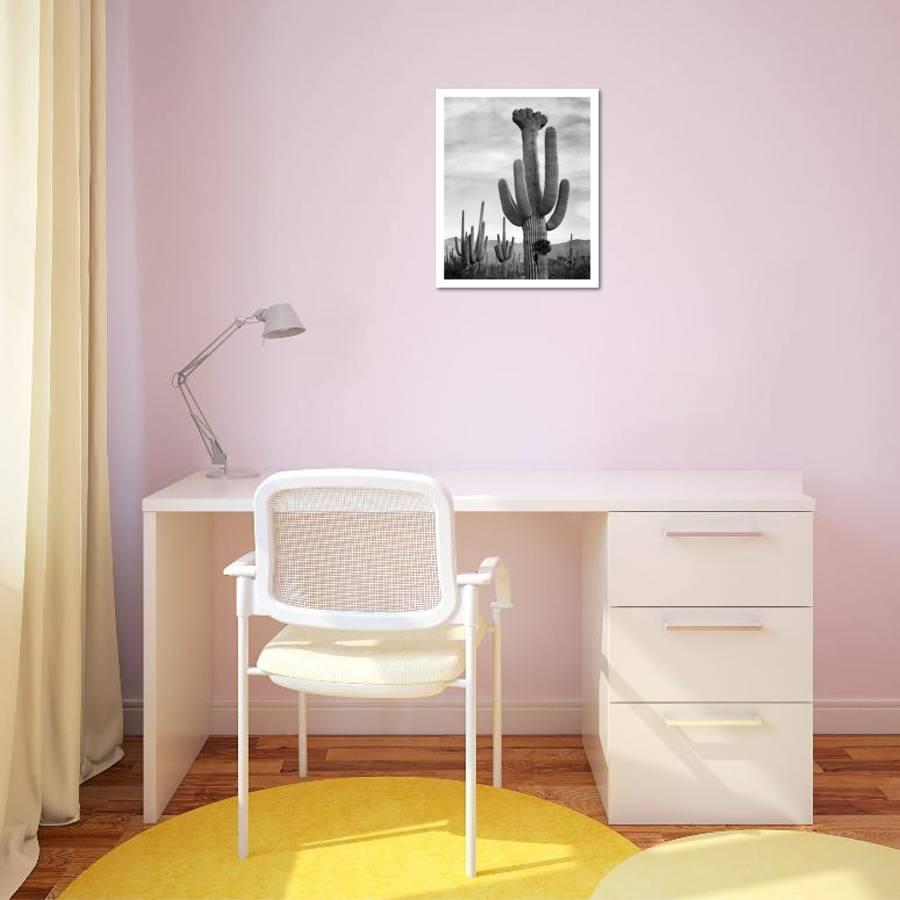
857	787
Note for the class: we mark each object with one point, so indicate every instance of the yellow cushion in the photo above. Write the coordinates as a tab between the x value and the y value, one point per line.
428	656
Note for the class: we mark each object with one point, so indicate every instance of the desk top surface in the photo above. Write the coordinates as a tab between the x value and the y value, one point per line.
545	491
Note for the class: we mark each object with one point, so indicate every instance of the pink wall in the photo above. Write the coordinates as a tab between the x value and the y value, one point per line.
750	231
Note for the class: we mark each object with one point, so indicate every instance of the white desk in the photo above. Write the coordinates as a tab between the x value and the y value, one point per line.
178	577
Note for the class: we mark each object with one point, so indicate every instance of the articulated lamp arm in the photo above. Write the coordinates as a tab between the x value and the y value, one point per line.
217	455
279	321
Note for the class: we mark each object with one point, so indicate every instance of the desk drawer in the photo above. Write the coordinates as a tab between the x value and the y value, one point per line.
709	559
682	654
723	764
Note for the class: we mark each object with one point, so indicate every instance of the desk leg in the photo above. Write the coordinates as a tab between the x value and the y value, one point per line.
594	650
177	588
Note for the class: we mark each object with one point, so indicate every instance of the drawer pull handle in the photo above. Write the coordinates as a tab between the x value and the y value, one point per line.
712	534
751	722
735	626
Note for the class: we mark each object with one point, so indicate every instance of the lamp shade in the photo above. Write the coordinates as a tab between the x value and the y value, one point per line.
281	321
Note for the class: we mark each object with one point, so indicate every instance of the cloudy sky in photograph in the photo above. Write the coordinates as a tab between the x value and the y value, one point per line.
481	142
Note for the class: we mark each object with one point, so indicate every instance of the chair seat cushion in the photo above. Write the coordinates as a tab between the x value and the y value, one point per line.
335	656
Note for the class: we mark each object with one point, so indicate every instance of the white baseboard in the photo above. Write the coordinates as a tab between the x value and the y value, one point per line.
857	716
443	716
333	716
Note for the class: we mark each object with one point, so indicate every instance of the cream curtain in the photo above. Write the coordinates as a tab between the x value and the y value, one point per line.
60	703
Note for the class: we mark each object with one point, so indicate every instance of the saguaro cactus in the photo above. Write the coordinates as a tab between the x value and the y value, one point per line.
532	203
503	250
469	247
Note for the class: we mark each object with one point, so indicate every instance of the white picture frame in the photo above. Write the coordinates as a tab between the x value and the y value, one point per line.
461	175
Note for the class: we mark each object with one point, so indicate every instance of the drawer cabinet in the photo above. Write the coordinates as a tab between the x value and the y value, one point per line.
724	654
709	559
702	763
697	665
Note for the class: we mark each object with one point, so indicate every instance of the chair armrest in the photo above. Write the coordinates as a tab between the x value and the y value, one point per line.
245	566
491	571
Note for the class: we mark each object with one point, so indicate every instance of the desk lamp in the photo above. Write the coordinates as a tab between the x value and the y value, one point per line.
279	321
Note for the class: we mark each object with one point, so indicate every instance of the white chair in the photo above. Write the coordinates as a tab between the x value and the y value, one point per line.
360	565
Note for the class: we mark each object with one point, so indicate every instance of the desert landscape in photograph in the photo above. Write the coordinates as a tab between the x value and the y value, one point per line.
534	225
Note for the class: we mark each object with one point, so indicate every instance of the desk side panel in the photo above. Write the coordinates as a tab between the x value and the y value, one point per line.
177	581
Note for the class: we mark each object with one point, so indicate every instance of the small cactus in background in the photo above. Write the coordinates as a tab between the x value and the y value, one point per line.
570	259
452	263
503	250
571	264
470	248
531	203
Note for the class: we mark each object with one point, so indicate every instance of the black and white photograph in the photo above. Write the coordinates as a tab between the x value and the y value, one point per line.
517	188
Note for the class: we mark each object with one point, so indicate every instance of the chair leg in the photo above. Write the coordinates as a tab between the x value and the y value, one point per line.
302	757
497	742
243	738
471	739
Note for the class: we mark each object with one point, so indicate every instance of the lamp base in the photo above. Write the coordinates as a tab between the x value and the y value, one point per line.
228	473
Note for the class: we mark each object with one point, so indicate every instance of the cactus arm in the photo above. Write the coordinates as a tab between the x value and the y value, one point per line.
510	210
523	201
560	212
551	173
497	250
456	245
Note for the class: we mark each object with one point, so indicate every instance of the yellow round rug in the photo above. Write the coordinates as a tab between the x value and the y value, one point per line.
363	837
757	865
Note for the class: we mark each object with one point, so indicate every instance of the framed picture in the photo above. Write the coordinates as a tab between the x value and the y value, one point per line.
517	178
